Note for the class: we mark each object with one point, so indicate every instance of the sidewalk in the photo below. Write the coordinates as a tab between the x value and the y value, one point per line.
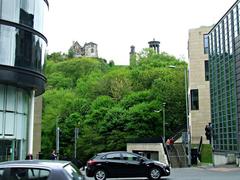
219	168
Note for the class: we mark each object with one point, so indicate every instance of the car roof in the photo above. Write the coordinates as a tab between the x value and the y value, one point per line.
53	164
103	153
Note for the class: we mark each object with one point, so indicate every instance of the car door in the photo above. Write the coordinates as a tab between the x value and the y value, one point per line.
132	165
113	164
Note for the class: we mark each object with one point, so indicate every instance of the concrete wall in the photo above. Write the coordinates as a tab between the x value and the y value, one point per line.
37	126
222	159
198	118
158	147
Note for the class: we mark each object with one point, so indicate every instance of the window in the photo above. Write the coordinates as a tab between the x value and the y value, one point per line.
129	157
72	171
24	173
205	43
194	99
206	71
113	156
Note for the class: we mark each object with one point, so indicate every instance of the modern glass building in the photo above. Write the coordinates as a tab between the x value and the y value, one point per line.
224	68
22	53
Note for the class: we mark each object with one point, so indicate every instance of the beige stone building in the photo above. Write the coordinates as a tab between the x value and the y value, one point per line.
37	129
199	97
88	50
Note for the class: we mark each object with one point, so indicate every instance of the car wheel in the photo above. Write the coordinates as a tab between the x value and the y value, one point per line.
100	174
154	174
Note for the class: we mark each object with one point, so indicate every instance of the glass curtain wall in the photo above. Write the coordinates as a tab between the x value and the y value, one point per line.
223	81
22	55
14	107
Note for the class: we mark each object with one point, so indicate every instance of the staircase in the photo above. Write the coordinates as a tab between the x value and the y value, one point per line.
177	156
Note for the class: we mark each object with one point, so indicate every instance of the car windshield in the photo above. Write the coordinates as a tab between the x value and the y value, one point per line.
73	172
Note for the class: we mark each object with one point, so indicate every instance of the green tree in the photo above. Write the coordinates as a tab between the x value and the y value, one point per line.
111	103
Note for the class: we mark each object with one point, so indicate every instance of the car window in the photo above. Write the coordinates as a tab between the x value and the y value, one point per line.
38	173
113	156
1	173
24	174
129	157
73	172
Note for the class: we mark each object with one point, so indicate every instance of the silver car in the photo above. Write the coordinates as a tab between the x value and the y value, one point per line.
39	170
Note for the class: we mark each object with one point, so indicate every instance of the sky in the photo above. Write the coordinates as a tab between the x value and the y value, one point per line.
115	25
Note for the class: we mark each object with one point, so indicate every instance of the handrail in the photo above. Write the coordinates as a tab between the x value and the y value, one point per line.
166	152
178	134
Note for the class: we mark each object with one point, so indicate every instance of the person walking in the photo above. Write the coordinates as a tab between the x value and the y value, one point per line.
29	157
168	144
171	143
53	155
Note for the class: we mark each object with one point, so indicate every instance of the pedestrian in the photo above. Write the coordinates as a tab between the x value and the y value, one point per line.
29	157
53	155
168	144
171	143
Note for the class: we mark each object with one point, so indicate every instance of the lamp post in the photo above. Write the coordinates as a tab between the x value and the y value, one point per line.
164	123
187	113
57	137
163	108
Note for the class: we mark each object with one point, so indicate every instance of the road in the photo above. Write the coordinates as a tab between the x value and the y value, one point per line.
197	173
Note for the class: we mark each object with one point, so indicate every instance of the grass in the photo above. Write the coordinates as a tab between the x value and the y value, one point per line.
206	153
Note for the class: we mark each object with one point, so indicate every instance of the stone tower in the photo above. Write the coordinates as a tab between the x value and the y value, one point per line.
155	45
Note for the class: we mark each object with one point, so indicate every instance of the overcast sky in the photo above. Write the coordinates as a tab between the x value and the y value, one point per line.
115	25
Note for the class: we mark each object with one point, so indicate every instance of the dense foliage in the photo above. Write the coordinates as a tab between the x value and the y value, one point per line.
111	104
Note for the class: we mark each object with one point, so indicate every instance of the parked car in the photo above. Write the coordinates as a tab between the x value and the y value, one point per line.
124	164
39	170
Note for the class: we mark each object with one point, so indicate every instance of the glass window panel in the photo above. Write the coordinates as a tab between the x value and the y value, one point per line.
205	37
21	126
9	125
194	99
20	102
10	10
11	96
25	103
1	123
7	45
27	12
129	157
21	48
206	70
1	97
113	156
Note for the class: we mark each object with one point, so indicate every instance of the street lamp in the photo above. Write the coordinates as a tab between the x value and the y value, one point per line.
57	137
163	110
187	113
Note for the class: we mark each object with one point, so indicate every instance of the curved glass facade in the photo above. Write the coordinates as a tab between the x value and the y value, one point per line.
22	43
26	12
22	56
21	48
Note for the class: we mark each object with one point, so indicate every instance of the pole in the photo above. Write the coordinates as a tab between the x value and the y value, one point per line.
57	141
31	123
187	117
163	121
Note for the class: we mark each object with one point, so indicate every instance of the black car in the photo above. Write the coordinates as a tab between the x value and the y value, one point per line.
39	170
124	164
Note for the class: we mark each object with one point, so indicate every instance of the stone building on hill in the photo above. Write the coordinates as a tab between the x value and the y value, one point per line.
88	50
